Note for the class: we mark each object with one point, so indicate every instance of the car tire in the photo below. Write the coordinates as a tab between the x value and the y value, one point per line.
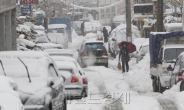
154	84
182	86
160	88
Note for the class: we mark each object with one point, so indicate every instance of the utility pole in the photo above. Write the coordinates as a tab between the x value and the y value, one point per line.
73	14
175	10
128	22
160	16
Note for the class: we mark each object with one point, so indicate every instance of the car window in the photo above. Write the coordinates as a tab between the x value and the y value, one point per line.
52	71
94	46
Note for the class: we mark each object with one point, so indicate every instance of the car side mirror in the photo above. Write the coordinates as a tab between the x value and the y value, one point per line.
170	68
113	39
51	84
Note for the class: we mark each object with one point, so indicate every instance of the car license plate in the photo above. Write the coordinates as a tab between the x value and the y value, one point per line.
100	60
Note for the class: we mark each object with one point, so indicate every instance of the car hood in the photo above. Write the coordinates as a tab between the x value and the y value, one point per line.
32	87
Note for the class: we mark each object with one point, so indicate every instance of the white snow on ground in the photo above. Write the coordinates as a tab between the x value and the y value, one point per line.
111	81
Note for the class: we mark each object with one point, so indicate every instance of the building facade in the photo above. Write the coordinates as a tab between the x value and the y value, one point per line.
8	32
106	15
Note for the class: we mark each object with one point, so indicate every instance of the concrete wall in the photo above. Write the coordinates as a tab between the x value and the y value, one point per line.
8	33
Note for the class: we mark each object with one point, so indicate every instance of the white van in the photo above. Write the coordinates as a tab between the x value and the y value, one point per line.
57	34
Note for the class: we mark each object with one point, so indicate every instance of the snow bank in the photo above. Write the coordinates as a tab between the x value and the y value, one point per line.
8	96
140	41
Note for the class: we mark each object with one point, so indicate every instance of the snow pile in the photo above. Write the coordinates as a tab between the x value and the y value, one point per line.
9	99
138	42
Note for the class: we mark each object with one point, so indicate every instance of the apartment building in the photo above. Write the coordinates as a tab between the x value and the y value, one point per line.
106	15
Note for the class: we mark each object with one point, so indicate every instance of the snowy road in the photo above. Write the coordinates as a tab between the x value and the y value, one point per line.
108	88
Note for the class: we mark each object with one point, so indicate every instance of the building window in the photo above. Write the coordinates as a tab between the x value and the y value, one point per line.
113	11
102	13
108	15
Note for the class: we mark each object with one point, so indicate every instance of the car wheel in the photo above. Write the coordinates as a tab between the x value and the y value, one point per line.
182	86
160	88
155	85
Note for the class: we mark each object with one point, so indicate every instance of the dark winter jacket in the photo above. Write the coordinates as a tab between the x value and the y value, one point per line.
105	32
124	54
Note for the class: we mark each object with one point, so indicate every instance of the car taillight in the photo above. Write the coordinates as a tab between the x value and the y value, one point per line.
105	52
84	53
75	79
84	80
180	76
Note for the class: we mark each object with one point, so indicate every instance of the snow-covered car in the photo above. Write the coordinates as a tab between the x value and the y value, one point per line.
81	71
57	33
9	97
73	79
177	72
118	35
39	85
92	52
59	52
46	46
142	52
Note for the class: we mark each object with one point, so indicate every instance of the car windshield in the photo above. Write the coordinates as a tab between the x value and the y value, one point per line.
68	70
172	54
56	30
15	68
94	46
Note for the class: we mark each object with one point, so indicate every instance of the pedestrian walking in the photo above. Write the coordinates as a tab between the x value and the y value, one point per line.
105	34
124	56
82	28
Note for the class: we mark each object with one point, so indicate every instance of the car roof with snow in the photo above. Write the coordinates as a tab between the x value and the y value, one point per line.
59	52
53	26
50	45
25	54
173	46
66	65
93	40
38	27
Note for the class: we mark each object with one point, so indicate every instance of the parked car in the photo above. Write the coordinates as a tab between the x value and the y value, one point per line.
142	52
118	35
74	81
81	71
92	52
177	72
59	52
39	85
9	97
57	34
46	46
